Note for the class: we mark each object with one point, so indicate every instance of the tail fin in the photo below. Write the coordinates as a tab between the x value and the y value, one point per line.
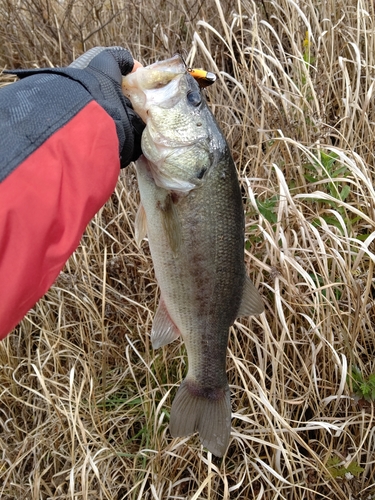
202	410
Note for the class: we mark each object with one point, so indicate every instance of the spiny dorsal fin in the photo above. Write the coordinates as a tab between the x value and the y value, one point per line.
252	302
140	225
163	330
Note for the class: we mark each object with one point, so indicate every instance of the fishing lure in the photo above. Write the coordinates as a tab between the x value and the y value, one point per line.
203	77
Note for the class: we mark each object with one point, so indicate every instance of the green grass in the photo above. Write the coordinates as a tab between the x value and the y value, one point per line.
85	401
363	387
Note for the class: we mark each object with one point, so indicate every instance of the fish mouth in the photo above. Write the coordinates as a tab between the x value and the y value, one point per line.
174	65
162	73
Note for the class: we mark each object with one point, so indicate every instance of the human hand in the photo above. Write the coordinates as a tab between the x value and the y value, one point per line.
109	65
100	71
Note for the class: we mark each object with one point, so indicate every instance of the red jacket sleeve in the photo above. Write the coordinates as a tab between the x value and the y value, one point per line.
46	203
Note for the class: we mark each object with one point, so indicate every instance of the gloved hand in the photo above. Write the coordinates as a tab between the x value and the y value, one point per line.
100	71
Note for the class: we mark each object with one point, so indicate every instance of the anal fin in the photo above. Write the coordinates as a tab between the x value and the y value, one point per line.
252	302
163	330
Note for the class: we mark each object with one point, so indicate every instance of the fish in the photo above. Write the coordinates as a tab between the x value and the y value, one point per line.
192	212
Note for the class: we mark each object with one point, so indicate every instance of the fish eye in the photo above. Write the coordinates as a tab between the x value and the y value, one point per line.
194	97
201	173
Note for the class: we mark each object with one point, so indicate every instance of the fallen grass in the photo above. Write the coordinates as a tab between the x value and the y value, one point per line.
84	400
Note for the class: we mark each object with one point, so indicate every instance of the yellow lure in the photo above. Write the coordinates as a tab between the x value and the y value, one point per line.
203	77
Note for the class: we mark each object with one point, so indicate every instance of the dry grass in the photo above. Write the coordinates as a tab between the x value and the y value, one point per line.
84	399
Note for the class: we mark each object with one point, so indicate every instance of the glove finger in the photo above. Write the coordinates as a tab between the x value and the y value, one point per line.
138	127
84	60
123	58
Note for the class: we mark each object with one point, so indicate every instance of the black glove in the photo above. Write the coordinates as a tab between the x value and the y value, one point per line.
100	72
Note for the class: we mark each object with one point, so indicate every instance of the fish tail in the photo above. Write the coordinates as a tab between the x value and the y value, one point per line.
203	410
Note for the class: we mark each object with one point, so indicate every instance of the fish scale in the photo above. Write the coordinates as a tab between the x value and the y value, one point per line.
191	208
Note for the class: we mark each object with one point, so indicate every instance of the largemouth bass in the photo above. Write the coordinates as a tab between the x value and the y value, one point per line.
191	209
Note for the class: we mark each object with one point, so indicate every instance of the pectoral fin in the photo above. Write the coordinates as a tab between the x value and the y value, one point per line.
252	302
171	223
163	330
140	225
